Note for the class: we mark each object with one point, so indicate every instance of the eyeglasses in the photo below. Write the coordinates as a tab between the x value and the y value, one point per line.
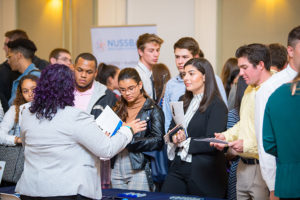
130	89
65	59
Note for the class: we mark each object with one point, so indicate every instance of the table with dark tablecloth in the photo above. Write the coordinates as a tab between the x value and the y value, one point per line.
109	194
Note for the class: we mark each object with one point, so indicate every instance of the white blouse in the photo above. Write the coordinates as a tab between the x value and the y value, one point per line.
183	151
6	125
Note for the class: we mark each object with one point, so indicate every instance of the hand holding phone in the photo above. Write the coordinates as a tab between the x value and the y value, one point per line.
172	134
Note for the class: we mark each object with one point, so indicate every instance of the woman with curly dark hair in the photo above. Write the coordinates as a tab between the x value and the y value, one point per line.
63	144
24	94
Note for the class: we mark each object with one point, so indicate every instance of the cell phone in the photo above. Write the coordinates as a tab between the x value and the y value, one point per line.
173	131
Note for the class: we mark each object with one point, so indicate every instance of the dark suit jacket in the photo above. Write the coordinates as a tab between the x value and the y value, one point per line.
7	76
208	164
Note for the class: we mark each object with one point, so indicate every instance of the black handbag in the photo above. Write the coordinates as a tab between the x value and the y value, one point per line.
14	158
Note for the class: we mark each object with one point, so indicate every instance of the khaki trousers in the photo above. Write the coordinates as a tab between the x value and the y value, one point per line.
250	184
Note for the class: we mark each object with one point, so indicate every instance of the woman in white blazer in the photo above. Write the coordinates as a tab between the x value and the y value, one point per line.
63	144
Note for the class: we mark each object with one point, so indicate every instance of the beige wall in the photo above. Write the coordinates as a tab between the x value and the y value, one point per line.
174	19
220	26
206	28
7	21
111	12
82	21
57	23
42	20
249	21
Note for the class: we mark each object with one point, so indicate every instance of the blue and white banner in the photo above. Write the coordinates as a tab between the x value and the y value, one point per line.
116	45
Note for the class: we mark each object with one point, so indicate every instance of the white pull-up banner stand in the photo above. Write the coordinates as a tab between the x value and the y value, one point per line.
116	45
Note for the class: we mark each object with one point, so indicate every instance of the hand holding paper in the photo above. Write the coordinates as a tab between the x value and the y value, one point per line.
213	140
109	121
177	112
219	145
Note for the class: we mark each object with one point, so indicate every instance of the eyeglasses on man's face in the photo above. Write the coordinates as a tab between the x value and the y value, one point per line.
65	59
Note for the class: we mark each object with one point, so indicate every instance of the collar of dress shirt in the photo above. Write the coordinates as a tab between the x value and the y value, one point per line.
198	96
255	87
87	92
178	78
144	68
290	70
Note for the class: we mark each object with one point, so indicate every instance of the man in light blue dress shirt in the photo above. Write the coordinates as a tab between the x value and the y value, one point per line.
20	55
184	49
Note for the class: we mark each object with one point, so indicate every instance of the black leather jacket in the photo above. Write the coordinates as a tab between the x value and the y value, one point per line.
150	139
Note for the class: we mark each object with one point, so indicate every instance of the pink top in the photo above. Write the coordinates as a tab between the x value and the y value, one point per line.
82	99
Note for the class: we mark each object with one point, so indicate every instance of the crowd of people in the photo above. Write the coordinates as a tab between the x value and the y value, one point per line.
50	107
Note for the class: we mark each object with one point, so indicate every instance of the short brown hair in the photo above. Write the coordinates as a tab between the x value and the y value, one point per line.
147	38
55	52
190	44
279	55
16	34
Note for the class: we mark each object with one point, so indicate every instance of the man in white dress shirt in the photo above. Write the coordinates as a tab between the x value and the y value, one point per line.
148	46
267	161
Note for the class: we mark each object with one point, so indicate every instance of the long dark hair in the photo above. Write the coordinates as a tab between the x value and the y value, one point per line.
54	90
105	71
121	105
210	86
240	90
229	72
19	100
161	75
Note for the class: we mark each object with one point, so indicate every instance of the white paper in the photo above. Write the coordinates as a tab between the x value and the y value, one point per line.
109	121
2	166
177	112
211	140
